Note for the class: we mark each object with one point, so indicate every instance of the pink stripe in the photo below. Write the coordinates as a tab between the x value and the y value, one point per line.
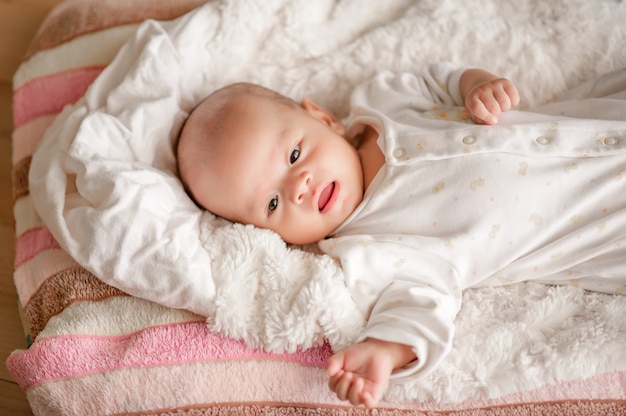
49	94
193	385
32	273
148	389
71	356
26	138
33	242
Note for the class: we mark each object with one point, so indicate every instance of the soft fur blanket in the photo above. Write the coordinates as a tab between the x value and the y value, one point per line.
104	180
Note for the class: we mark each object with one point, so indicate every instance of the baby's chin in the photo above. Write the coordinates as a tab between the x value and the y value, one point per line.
300	239
302	242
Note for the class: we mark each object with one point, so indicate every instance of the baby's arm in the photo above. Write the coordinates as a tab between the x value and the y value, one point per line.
359	373
486	95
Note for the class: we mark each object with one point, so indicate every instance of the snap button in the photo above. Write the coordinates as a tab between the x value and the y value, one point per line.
610	141
399	152
469	139
543	140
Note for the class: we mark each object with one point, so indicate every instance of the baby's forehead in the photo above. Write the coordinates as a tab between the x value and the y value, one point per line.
222	113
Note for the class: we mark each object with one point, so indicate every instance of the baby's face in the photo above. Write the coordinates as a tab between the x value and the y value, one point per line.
283	168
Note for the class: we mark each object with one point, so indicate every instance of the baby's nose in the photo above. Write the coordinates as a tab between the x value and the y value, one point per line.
300	186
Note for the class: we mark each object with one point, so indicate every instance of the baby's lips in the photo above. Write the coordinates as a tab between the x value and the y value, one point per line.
325	196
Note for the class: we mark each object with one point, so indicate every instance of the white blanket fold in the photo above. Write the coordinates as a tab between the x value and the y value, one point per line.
104	179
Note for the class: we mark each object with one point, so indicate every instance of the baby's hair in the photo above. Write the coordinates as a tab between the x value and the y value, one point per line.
241	89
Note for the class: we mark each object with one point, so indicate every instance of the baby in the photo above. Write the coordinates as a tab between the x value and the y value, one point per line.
429	187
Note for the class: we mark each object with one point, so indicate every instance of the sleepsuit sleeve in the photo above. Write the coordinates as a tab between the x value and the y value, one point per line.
412	296
390	93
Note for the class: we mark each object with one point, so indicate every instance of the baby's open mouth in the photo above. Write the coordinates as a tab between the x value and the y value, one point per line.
325	196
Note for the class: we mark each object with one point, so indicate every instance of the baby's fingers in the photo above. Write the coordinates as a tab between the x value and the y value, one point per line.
348	386
340	384
355	393
506	97
334	381
482	115
511	91
484	107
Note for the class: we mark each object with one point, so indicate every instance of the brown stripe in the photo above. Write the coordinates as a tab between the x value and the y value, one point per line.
560	408
61	290
20	178
71	19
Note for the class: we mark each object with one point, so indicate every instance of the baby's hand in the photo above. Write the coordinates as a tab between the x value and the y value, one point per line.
359	373
486	95
487	100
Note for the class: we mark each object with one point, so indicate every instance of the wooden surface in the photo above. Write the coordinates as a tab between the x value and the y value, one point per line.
19	20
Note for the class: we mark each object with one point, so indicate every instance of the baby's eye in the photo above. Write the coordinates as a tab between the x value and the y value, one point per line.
295	154
273	204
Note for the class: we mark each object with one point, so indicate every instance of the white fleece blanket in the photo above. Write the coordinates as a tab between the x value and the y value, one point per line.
104	178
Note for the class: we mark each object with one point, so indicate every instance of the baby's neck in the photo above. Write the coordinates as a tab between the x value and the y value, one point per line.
372	159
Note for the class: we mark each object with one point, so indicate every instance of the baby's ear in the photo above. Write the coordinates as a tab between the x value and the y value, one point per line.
323	115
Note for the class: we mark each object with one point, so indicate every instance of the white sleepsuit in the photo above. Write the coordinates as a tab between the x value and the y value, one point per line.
460	205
